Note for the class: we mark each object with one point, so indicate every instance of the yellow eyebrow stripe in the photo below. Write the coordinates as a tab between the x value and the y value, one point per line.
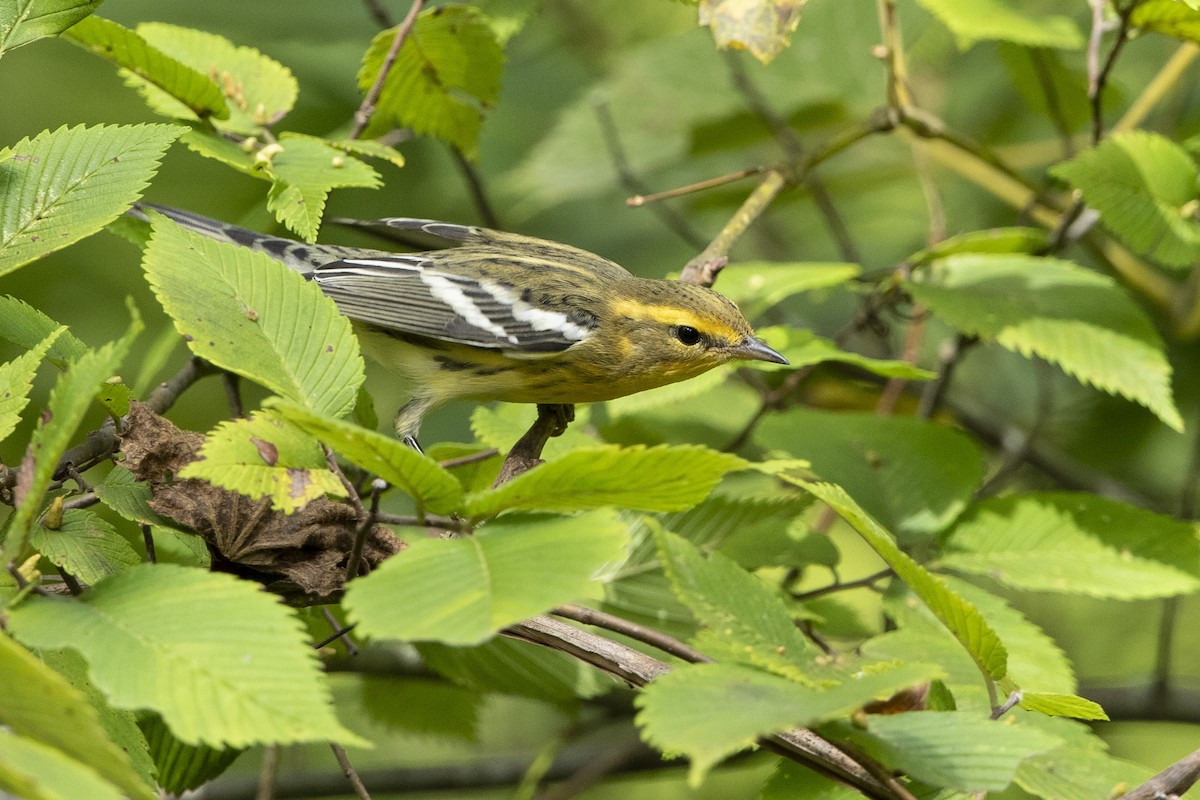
670	315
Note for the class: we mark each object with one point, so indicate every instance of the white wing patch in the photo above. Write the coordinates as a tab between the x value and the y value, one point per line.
445	290
537	318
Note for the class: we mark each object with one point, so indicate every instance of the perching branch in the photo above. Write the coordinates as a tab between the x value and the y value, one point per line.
1171	782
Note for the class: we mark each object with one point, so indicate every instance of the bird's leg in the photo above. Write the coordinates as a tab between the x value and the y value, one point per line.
408	421
562	413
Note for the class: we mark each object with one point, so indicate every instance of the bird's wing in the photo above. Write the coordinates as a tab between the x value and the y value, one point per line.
411	294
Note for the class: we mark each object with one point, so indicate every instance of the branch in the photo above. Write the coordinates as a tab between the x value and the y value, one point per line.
363	115
1171	782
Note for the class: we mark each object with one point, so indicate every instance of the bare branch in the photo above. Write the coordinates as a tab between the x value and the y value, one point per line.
1171	782
363	115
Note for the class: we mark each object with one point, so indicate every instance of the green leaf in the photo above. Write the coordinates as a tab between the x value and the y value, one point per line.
60	187
183	766
803	348
263	456
433	488
85	545
791	780
42	705
370	148
1170	17
420	705
25	21
647	479
914	476
127	496
304	170
962	618
211	144
993	240
131	52
1077	544
973	21
500	426
507	17
746	619
955	749
16	379
33	771
1062	705
25	326
1058	311
757	285
69	402
246	312
1144	186
519	668
260	91
710	711
1079	769
462	591
447	70
764	28
240	672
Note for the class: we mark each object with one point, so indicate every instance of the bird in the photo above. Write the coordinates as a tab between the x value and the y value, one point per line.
498	316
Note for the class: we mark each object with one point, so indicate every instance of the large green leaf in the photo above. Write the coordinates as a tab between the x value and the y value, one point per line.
1078	544
246	312
757	285
263	456
130	51
239	672
16	379
63	186
803	348
34	771
710	711
69	401
746	620
25	326
648	479
464	590
447	70
955	749
1079	768
1171	17
431	487
40	704
1142	184
85	545
260	91
25	21
304	170
1078	319
914	476
962	618
972	21
183	766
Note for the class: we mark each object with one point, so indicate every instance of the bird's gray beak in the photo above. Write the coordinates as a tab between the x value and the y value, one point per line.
753	349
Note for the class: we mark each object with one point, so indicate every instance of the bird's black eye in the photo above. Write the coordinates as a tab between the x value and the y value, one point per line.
686	334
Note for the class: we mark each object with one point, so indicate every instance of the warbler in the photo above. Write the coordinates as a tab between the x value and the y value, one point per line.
500	316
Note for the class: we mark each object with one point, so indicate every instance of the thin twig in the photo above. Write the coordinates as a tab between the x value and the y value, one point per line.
704	267
378	13
462	461
364	527
148	539
949	355
1013	699
1045	76
351	648
363	115
426	521
483	203
267	773
867	582
640	633
1098	78
348	770
639	200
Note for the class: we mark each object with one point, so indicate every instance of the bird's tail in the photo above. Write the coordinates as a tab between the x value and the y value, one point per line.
300	256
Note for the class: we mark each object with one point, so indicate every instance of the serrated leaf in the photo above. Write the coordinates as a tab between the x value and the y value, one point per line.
85	545
304	171
260	91
69	401
757	285
955	749
1062	705
762	27
433	488
371	148
647	479
32	771
231	154
1170	17
240	672
25	326
745	616
127	496
262	456
1080	320
1142	184
1078	769
803	348
514	667
710	711
973	21
25	21
915	476
40	704
1076	544
131	52
16	379
63	186
246	312
959	616
447	70
183	766
462	591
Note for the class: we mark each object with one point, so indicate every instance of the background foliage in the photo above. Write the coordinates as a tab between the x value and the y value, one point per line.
974	236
